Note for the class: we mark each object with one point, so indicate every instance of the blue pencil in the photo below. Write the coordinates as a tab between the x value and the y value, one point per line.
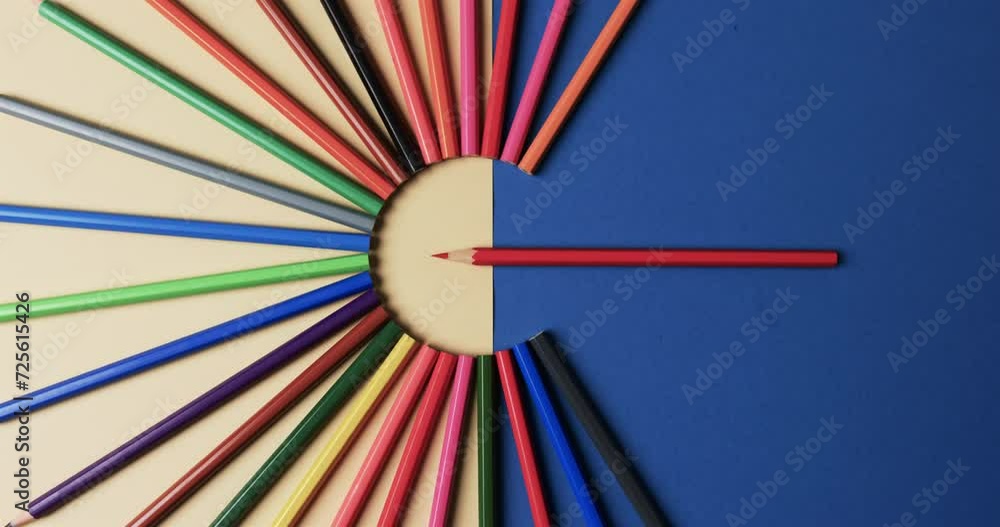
557	435
192	229
184	346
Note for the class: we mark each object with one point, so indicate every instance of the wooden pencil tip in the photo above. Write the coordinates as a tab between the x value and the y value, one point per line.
457	256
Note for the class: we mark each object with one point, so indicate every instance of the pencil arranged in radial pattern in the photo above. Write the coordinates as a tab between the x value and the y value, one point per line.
181	162
209	230
538	257
557	435
496	99
187	345
94	474
181	287
357	49
469	105
199	99
440	73
619	463
577	85
537	79
450	449
522	438
270	412
487	424
327	79
380	450
409	81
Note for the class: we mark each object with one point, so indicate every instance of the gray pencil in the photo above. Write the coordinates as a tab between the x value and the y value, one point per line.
184	163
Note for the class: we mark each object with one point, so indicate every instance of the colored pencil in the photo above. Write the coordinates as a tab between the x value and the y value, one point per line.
394	121
537	257
184	163
496	100
275	95
417	443
522	439
618	462
557	435
448	464
181	287
281	459
189	344
323	72
440	73
470	78
486	426
352	424
537	79
378	455
406	73
141	444
210	106
577	85
209	230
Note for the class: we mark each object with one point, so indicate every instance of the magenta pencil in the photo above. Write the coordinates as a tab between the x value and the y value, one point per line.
470	77
452	441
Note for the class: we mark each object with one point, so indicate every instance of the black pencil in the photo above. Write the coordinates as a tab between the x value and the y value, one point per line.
618	462
394	122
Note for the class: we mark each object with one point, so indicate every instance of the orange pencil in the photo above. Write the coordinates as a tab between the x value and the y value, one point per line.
441	85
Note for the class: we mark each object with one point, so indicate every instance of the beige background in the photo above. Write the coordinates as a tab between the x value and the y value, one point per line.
42	64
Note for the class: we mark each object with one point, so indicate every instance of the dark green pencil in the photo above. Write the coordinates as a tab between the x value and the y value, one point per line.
486	375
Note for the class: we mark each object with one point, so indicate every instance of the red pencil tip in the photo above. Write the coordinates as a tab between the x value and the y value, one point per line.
443	256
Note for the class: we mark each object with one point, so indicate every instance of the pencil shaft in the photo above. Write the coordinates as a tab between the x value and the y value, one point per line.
210	106
618	462
321	70
522	439
385	441
469	106
496	100
450	449
537	79
392	119
365	404
418	441
105	467
189	286
208	230
577	85
406	73
187	164
333	400
557	435
654	258
189	344
486	425
440	75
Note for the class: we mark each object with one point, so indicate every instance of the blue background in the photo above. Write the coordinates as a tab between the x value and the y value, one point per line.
827	355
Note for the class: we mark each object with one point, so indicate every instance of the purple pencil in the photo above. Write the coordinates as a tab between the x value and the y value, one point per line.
133	449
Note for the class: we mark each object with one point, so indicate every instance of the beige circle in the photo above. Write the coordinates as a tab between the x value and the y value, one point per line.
448	206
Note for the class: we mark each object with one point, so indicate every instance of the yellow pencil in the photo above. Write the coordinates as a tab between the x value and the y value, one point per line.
367	401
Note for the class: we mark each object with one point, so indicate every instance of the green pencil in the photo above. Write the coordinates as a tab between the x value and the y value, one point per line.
210	106
486	374
197	285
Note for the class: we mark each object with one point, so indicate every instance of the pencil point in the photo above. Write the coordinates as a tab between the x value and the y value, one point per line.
443	256
465	256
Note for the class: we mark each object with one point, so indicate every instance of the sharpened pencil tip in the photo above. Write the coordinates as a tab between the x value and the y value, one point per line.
443	256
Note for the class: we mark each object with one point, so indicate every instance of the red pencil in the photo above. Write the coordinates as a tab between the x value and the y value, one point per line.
496	101
522	438
417	443
321	70
275	95
440	72
537	257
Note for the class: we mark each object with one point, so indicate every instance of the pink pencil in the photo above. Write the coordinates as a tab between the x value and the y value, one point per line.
378	455
452	439
496	101
402	59
536	81
470	77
